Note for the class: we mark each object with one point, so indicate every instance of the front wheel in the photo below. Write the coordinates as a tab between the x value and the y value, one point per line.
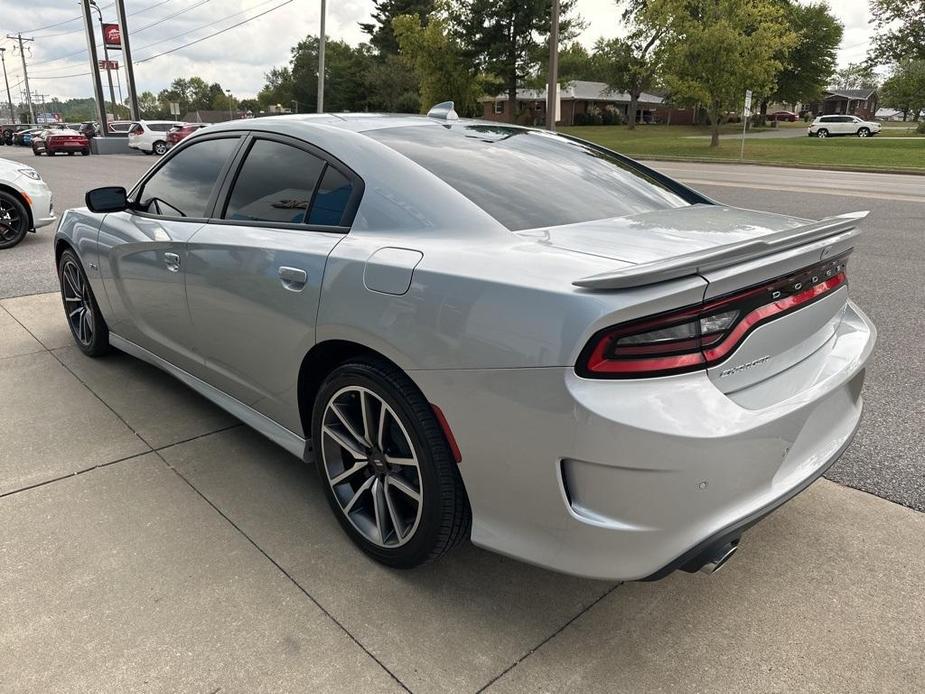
864	132
822	133
385	465
84	318
14	220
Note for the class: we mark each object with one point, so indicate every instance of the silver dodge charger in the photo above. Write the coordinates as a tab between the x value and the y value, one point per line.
482	331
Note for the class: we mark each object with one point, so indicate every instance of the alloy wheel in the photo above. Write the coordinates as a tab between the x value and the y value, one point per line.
370	462
10	221
77	302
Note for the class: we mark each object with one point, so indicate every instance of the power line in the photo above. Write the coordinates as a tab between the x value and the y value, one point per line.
170	16
217	33
58	24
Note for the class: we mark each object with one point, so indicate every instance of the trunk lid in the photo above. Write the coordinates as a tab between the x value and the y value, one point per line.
777	260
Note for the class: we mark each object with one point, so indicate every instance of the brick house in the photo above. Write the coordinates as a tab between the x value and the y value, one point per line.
581	97
853	102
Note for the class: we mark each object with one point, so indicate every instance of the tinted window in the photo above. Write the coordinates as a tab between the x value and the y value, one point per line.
183	185
528	178
161	127
331	198
275	184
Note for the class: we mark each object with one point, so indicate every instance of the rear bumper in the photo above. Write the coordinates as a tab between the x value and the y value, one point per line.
68	147
630	479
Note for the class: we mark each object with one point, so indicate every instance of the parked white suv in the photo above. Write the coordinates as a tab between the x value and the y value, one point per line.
824	126
150	136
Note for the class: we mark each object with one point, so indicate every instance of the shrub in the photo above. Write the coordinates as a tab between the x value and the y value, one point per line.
921	127
581	119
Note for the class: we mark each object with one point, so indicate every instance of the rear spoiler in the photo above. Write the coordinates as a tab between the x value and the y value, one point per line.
699	262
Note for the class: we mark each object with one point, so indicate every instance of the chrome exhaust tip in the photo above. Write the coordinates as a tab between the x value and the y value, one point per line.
716	559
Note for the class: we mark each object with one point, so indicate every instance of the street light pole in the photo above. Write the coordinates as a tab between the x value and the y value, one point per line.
552	82
9	96
321	60
127	60
230	104
112	92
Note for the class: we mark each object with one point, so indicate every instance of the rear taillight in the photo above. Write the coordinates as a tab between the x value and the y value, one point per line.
698	337
138	130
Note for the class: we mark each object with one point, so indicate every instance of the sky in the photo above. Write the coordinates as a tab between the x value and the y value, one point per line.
239	58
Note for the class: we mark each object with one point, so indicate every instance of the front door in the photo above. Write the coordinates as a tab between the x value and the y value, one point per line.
143	251
254	273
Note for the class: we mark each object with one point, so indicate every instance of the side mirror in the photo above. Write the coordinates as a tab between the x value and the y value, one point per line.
108	199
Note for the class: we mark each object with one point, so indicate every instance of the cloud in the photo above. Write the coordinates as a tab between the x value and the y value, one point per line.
240	58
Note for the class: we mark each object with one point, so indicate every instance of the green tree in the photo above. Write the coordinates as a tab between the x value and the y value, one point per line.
437	59
810	64
632	64
506	38
278	88
719	48
150	107
856	76
904	89
392	86
900	30
382	36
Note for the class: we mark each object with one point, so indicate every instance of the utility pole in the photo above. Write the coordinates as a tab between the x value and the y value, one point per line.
9	96
552	83
112	92
127	59
230	105
321	61
41	99
25	72
95	68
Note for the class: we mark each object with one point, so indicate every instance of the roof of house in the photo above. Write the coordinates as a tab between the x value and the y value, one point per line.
862	94
580	90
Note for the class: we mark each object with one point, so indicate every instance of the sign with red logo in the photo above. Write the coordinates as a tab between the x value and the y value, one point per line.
108	64
112	36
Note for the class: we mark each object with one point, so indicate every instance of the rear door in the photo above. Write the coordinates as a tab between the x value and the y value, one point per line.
144	251
255	271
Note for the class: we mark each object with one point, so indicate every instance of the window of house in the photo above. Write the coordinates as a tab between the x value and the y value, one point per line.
499	106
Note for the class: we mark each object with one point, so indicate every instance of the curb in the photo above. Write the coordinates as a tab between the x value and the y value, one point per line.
782	165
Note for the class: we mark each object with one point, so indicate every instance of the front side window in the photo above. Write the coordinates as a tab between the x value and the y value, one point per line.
183	186
275	184
527	178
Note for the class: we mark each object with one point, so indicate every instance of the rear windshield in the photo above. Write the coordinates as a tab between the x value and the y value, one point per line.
527	178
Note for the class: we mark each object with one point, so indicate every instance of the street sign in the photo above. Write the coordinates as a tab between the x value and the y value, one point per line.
748	102
108	64
112	37
746	112
175	108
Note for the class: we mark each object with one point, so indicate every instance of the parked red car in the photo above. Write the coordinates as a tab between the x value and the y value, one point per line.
789	116
175	134
53	141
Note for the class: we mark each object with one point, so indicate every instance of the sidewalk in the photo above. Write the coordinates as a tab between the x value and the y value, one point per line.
151	543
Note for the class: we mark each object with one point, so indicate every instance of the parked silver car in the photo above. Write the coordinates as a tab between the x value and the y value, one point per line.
487	331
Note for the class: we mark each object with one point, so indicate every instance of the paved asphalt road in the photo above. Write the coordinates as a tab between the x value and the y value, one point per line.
888	456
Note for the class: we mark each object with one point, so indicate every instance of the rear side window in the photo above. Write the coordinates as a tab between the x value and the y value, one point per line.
275	184
183	185
331	199
527	178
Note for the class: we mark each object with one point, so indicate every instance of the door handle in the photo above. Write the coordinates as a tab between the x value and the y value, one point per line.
172	260
292	278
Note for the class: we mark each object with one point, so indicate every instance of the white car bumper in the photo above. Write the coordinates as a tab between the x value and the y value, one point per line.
40	199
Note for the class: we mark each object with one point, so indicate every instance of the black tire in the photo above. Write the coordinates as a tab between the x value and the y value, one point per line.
159	148
84	152
89	330
822	133
863	132
445	518
14	220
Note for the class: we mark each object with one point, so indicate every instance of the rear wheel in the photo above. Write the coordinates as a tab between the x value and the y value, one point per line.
160	148
84	152
14	220
83	313
385	465
864	132
822	133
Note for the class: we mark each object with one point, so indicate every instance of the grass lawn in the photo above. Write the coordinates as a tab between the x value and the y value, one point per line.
835	152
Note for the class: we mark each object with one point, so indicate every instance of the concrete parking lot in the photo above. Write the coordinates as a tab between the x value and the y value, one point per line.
150	542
